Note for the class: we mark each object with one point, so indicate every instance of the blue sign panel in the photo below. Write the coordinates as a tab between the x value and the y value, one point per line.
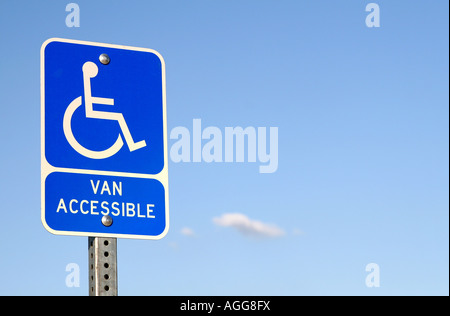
103	140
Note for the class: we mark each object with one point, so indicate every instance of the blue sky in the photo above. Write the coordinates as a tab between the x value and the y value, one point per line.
362	177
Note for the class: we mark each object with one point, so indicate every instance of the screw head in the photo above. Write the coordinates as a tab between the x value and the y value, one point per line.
104	59
107	220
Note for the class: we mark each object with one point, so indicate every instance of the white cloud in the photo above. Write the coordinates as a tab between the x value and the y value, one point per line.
248	226
187	231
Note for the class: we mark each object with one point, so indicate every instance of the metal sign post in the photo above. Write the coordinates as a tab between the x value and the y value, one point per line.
102	266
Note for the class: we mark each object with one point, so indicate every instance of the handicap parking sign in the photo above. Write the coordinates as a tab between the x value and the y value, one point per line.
103	140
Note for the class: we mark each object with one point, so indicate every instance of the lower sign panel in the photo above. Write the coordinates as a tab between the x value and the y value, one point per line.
136	206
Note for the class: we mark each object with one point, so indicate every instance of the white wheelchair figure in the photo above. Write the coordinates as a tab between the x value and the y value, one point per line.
90	70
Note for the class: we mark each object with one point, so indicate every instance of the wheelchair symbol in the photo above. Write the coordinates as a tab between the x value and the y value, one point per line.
90	70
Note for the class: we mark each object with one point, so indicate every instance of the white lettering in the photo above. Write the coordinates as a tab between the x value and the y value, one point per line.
73	18
139	211
61	205
212	151
373	19
149	210
71	208
104	206
183	144
73	278
81	207
114	206
105	188
272	157
95	187
130	210
250	143
373	278
117	188
239	132
94	207
197	140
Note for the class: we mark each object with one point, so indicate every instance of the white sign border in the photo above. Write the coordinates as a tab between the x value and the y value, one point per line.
47	168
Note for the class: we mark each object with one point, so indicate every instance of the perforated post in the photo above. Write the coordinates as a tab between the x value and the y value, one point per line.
102	266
